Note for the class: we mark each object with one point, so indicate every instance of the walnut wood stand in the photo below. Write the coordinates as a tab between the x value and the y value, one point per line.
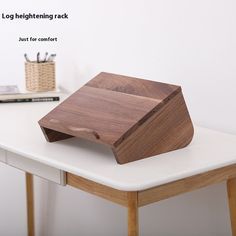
137	118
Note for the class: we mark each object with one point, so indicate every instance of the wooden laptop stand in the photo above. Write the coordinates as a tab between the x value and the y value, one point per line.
137	118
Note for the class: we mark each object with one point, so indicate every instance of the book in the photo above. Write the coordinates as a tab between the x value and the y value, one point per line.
36	99
9	89
25	96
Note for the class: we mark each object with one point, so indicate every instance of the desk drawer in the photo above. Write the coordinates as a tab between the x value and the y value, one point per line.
2	155
36	168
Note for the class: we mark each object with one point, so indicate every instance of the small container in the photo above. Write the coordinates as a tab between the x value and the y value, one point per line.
40	77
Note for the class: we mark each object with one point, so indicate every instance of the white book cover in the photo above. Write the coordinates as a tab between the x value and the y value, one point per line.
9	89
22	93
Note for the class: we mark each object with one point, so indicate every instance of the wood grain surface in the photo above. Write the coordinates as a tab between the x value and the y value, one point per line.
30	203
108	113
192	183
114	195
231	188
133	214
135	86
168	129
136	118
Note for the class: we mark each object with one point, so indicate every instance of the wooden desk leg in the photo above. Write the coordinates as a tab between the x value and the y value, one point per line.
30	203
133	224
231	187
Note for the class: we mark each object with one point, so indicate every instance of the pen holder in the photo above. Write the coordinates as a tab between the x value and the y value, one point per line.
40	77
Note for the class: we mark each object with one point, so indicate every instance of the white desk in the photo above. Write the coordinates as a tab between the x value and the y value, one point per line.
210	158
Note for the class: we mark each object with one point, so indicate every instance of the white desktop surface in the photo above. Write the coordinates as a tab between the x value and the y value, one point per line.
21	134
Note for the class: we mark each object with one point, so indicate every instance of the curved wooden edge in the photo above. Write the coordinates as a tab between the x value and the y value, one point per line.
170	128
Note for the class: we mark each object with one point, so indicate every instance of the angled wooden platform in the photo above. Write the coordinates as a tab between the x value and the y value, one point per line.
136	118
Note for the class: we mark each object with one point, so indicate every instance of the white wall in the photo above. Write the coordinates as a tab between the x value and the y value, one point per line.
191	43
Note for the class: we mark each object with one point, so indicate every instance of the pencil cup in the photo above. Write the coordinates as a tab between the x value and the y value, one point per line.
40	77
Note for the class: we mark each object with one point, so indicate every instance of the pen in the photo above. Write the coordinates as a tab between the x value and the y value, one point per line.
26	57
45	57
44	60
38	57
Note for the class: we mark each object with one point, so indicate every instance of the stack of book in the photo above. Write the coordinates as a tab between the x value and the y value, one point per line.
12	94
